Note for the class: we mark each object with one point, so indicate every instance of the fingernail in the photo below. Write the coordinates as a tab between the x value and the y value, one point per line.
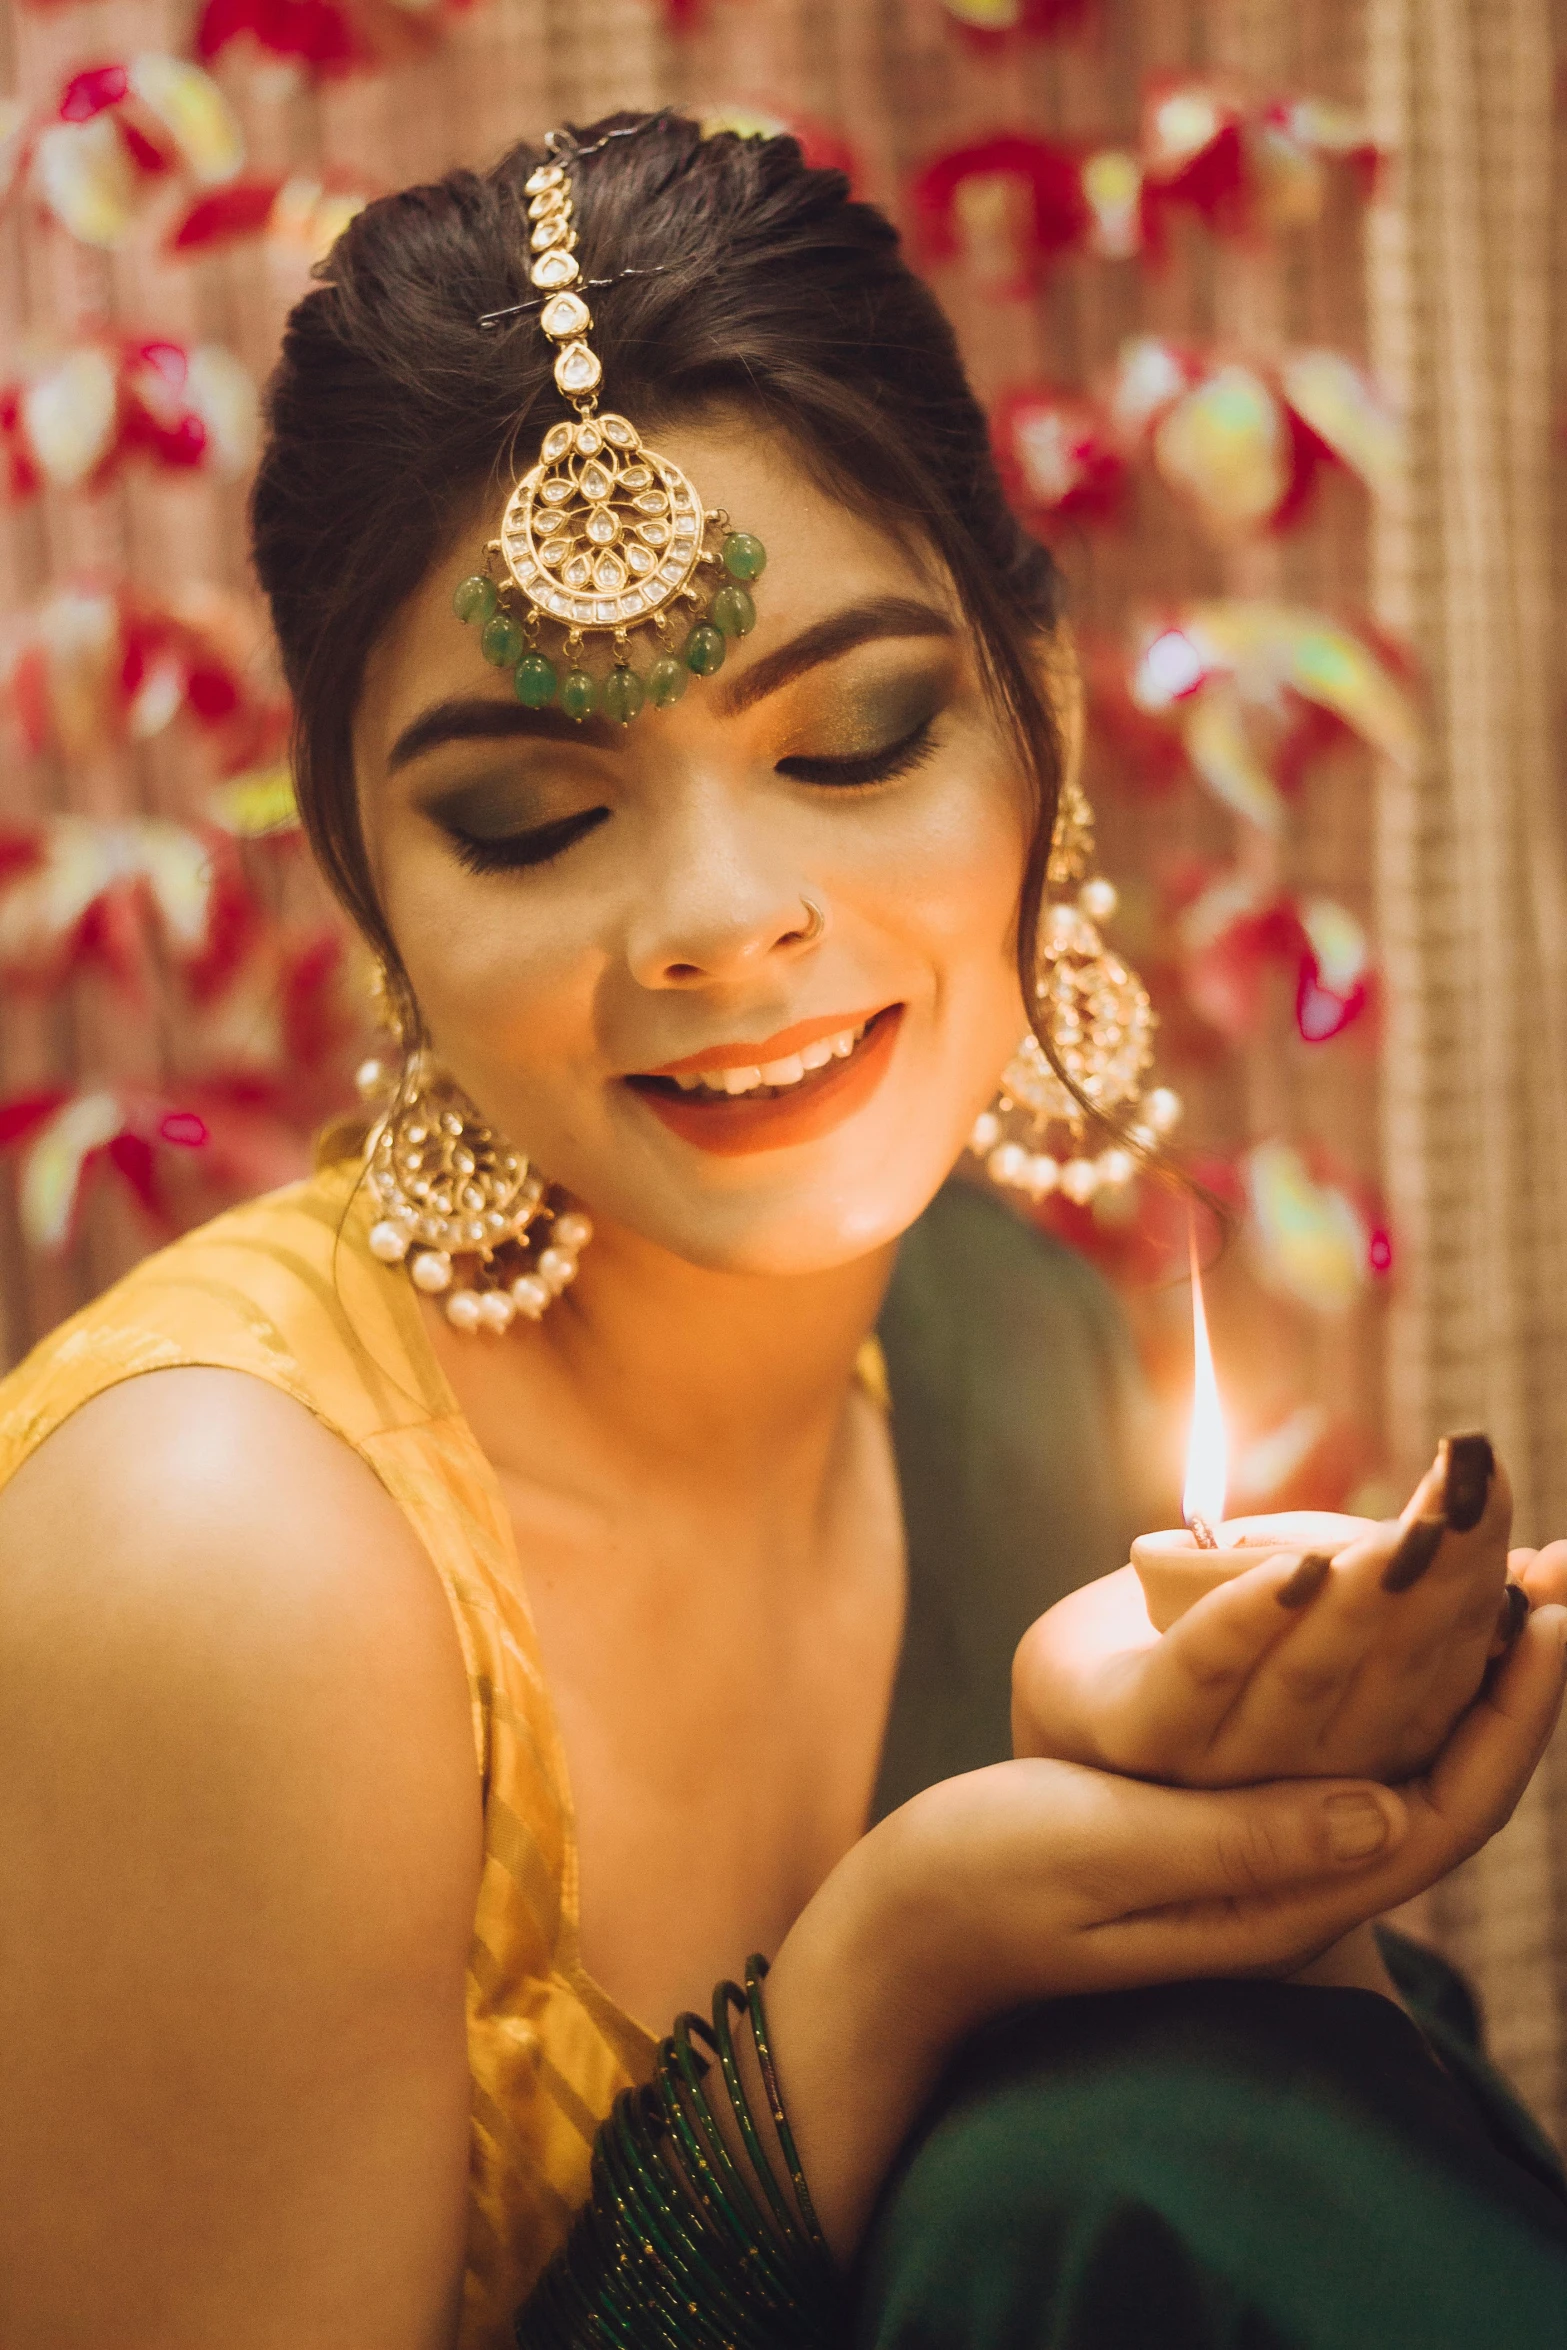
1307	1580
1511	1618
1418	1546
1467	1488
1357	1826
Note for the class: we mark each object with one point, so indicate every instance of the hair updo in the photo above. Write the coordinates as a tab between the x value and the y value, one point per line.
391	413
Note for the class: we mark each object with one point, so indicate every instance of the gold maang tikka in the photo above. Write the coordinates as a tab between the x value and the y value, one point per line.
602	535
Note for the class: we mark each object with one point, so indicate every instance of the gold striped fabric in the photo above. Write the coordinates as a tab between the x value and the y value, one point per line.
286	1289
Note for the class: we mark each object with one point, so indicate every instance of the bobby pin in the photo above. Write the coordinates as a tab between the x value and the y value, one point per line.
515	309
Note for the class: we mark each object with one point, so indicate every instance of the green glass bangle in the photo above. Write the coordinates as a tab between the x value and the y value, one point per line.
751	2230
755	1972
725	1996
673	2250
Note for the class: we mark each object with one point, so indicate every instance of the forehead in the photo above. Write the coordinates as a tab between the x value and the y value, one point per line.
821	555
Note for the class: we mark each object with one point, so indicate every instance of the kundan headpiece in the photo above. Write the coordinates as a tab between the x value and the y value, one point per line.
602	535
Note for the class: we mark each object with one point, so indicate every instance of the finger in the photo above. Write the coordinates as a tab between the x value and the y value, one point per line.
1469	1795
1477	1779
1141	1849
1543	1573
1190	1681
1380	1655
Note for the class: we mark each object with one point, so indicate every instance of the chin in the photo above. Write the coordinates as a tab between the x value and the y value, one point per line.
788	1212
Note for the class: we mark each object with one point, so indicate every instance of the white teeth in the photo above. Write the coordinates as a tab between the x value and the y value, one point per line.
788	1071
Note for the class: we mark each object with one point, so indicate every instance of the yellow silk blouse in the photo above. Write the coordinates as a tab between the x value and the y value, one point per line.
286	1289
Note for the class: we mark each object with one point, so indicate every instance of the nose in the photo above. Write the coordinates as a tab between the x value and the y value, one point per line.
716	905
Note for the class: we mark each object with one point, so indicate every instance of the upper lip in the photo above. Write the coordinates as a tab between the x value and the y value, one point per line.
746	1054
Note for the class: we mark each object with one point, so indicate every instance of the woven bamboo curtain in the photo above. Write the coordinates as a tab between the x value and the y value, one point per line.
1472	912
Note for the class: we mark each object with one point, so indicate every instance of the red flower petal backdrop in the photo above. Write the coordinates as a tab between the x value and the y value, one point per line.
1262	301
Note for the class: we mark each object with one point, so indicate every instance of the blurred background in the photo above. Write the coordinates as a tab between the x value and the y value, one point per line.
1265	304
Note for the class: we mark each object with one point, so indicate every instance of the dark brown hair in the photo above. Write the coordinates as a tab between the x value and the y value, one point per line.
760	283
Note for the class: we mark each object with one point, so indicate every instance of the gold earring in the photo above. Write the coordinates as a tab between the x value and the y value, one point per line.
466	1213
1097	1014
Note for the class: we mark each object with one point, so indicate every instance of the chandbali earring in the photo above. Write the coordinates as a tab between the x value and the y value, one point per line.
1096	1011
465	1212
602	535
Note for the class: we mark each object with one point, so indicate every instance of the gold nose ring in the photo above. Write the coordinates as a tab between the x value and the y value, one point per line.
817	923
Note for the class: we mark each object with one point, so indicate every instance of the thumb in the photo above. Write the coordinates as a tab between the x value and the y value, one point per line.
1181	1846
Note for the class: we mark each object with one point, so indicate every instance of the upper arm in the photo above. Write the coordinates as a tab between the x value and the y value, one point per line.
239	1843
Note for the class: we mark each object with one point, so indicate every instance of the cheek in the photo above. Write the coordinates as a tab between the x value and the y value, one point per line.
945	877
504	973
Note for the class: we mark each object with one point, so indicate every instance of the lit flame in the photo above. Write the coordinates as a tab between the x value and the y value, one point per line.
1208	1447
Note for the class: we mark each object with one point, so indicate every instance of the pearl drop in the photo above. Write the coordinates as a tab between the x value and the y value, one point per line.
1080	1180
1116	1167
496	1309
1098	898
557	1266
530	1295
417	1134
463	1310
1008	1163
368	1077
432	1271
1043	1174
572	1231
473	1231
389	1242
986	1134
1163	1109
462	1161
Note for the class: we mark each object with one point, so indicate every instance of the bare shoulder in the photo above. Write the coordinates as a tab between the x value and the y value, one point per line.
188	1486
240	1833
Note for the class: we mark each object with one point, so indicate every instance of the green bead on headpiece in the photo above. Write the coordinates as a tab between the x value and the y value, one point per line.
602	537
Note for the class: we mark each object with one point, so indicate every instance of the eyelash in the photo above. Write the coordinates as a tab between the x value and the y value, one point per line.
871	768
513	852
518	851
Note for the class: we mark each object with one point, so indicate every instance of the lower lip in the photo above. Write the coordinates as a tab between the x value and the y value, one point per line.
734	1125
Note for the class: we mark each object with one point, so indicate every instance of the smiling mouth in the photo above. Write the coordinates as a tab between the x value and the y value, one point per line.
768	1105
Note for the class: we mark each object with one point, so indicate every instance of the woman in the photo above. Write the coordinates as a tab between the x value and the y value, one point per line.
309	2022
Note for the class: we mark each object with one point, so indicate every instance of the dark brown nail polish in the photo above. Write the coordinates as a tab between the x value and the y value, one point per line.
1417	1547
1298	1589
1511	1617
1471	1464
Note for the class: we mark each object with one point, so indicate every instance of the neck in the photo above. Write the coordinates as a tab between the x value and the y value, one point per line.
683	1372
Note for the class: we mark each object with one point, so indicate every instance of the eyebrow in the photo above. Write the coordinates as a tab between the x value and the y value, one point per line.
856	624
474	718
480	718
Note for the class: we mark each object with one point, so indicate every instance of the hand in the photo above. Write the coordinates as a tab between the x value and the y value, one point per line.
1035	1879
1293	1668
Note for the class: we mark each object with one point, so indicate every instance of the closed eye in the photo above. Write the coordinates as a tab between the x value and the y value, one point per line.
510	852
868	767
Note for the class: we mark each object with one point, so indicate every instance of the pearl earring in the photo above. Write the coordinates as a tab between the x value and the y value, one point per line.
465	1212
1101	1023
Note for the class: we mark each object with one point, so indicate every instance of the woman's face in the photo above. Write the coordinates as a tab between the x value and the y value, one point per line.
606	928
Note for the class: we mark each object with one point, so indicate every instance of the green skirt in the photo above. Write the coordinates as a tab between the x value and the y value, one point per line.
1223	2166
